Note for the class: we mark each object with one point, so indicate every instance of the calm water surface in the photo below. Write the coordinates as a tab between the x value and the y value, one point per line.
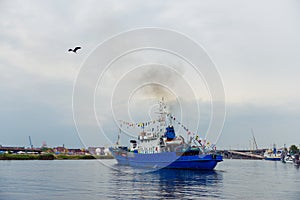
89	179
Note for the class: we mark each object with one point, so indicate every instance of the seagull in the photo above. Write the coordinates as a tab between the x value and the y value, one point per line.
75	49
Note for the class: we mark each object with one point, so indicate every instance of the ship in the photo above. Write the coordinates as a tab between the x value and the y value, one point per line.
161	148
273	155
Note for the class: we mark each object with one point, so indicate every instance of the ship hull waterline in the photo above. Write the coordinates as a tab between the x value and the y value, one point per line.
169	160
273	159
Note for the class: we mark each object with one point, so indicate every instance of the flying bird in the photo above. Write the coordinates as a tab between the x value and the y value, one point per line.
75	49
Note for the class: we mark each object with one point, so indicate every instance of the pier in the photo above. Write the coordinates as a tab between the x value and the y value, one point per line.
20	150
243	154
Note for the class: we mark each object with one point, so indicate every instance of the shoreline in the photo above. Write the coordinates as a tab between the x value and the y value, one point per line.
51	157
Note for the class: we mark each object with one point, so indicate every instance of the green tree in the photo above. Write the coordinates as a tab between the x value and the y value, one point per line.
294	149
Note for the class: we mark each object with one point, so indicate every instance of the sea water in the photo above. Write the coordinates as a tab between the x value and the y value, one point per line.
103	179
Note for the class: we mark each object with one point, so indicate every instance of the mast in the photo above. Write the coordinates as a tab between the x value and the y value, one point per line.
118	140
162	115
254	141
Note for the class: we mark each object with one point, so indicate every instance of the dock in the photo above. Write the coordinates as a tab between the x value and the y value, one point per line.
20	149
243	154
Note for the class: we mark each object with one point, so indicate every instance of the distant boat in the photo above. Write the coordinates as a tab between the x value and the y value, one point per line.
296	159
161	148
274	155
288	159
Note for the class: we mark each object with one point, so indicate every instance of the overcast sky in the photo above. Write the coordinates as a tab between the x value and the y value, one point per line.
255	46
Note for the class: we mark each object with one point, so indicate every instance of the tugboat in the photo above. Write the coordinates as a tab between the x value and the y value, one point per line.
161	148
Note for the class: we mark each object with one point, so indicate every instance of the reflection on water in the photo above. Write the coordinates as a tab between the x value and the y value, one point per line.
183	183
167	183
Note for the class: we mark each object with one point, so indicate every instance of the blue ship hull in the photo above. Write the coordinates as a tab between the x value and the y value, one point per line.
167	160
272	158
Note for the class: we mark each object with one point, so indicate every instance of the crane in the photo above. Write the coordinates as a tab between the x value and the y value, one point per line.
31	146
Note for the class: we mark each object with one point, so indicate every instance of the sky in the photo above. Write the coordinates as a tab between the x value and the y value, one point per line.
254	46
